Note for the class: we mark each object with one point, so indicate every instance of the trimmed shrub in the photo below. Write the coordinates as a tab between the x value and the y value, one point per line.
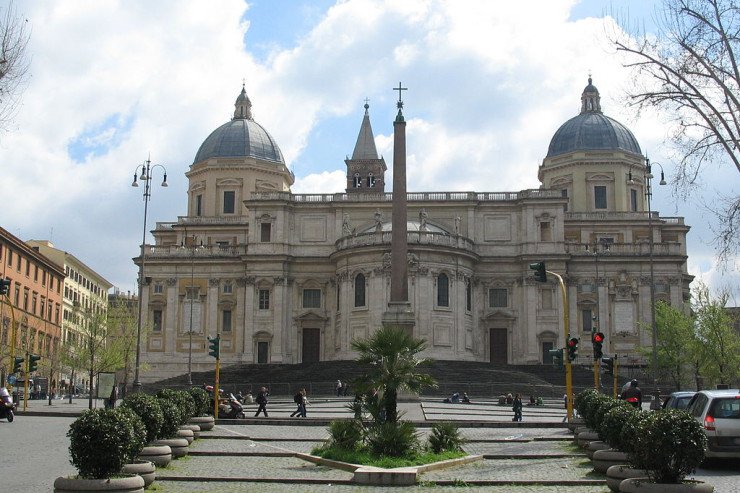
148	409
603	407
172	418
99	443
610	429
201	401
395	439
670	444
182	400
630	429
445	436
346	434
138	439
584	401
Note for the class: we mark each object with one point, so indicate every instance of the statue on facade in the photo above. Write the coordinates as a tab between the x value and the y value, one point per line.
378	221
346	228
423	220
457	224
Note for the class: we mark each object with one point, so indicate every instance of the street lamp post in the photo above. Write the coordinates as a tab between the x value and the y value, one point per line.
655	403
146	176
190	296
596	317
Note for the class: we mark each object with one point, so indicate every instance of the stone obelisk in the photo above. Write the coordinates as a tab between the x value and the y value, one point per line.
399	312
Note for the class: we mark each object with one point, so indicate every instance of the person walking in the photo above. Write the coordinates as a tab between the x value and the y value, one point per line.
113	396
304	403
262	401
298	399
517	408
339	388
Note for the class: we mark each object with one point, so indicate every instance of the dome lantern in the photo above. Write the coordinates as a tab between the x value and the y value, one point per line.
243	106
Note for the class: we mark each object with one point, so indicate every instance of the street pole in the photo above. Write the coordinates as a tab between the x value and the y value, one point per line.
568	368
146	176
654	404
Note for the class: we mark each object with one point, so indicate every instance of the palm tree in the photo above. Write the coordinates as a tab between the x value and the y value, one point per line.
391	356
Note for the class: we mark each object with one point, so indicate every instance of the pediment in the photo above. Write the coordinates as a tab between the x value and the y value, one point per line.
310	316
499	315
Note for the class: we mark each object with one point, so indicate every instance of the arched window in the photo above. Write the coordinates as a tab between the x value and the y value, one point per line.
360	290
443	290
370	180
357	181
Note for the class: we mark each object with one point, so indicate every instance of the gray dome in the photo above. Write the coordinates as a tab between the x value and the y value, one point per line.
241	137
592	130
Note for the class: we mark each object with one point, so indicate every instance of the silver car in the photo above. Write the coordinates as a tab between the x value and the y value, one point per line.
718	411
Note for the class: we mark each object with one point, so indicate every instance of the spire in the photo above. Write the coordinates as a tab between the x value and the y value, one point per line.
243	106
365	146
590	99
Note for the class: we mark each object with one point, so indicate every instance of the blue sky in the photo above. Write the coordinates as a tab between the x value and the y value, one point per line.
489	83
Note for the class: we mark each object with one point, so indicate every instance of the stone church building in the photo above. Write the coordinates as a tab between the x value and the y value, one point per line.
290	278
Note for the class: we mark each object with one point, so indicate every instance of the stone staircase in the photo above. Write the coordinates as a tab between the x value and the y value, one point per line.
478	379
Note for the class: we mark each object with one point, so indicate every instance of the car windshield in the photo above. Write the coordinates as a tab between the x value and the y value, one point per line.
683	402
726	408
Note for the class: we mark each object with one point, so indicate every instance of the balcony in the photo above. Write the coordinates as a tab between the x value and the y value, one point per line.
410	197
206	251
621	216
419	238
641	248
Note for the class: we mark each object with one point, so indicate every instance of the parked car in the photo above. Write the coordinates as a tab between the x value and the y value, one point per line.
678	400
718	411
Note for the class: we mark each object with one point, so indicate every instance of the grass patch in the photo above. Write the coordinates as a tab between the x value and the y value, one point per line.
367	458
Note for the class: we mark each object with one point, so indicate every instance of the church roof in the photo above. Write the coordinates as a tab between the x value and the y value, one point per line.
365	146
241	137
592	130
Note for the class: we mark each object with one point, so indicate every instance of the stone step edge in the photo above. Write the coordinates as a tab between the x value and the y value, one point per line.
418	424
353	467
310	440
351	482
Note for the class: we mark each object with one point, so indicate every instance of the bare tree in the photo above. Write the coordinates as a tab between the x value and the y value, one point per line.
689	70
14	35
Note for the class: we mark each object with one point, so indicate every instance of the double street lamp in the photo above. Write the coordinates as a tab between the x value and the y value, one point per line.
655	404
146	177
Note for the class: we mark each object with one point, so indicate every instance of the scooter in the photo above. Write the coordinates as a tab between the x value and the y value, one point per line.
6	405
232	410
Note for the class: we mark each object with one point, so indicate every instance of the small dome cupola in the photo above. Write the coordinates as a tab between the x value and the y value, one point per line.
243	106
590	99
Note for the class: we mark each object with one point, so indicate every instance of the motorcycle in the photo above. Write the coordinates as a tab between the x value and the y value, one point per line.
232	409
6	405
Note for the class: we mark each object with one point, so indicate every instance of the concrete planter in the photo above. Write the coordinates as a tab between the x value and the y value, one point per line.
616	474
194	428
643	485
580	429
144	468
74	484
160	455
206	423
592	447
585	437
187	435
179	446
604	459
575	424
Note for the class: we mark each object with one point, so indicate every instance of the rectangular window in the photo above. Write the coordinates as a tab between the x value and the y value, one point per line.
339	292
265	231
10	258
587	317
468	296
35	273
633	200
498	298
28	268
157	321
34	303
228	288
43	278
600	197
198	205
547	299
229	200
443	290
158	288
226	321
18	263
564	194
311	298
264	299
545	231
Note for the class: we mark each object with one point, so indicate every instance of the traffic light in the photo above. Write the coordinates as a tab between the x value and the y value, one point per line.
572	348
17	362
540	275
4	286
214	346
597	339
557	357
33	364
609	368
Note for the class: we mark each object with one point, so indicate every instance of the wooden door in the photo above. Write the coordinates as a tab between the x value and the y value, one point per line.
311	345
498	346
546	356
262	352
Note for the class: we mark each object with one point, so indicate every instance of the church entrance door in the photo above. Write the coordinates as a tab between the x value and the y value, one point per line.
498	345
262	352
311	345
546	356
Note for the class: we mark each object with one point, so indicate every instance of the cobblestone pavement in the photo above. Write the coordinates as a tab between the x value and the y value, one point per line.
188	487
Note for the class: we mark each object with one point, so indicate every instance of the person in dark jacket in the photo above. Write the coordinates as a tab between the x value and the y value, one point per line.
517	408
262	401
632	394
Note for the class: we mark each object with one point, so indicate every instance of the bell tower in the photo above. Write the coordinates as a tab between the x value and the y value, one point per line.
365	171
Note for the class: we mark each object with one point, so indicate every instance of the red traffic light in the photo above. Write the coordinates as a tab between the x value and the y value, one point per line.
598	338
572	342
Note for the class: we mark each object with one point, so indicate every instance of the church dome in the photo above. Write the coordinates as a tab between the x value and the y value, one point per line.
241	137
592	130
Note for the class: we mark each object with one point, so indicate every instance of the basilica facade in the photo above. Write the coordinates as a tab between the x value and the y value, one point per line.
290	278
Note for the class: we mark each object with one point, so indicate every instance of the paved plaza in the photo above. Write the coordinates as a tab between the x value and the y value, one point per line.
256	454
